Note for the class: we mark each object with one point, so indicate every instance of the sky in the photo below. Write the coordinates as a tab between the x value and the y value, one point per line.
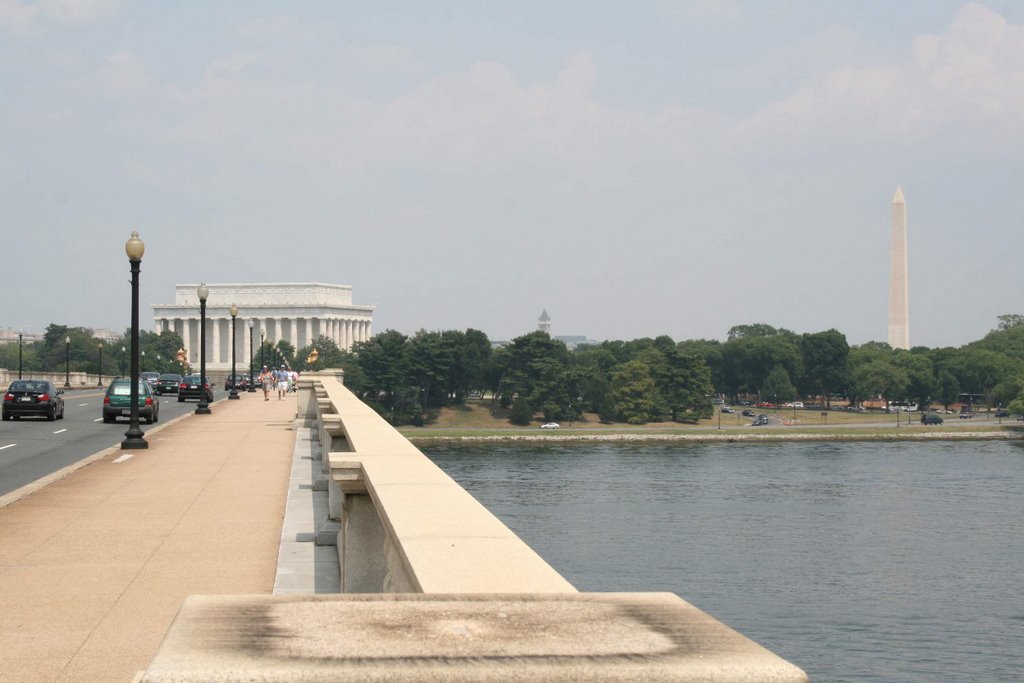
636	169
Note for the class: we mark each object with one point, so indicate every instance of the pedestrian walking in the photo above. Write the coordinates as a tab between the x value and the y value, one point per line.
282	382
267	382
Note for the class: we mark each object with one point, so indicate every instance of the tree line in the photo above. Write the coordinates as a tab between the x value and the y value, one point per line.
407	378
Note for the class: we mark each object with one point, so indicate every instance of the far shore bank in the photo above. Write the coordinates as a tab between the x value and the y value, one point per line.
765	437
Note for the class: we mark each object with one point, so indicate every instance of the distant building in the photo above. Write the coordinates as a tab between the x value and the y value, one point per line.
544	322
574	341
297	312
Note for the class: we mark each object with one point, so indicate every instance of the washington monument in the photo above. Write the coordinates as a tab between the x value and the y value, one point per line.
899	320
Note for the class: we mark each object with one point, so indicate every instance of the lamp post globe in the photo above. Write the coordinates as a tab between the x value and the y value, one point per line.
67	361
134	439
204	407
233	394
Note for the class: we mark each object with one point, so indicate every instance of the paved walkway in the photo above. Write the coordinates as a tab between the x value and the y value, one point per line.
94	566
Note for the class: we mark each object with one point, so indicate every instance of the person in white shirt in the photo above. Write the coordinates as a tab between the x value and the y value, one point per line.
282	382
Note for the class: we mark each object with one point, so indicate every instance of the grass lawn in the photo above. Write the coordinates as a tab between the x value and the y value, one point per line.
477	419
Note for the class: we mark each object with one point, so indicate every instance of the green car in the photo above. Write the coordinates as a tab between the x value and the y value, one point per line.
118	401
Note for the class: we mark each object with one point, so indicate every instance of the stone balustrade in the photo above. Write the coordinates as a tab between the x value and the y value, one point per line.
406	526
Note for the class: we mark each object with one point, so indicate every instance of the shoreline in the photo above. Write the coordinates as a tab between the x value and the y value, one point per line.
995	435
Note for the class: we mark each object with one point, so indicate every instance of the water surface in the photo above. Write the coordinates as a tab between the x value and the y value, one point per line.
855	561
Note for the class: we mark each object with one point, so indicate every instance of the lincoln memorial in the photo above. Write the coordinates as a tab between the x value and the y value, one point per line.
298	313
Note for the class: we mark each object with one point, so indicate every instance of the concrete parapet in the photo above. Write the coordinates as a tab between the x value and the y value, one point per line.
406	526
415	637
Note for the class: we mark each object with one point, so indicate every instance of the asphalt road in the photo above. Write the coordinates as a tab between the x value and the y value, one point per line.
31	447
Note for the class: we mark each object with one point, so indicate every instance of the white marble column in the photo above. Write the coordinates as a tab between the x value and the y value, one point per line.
295	334
211	341
186	337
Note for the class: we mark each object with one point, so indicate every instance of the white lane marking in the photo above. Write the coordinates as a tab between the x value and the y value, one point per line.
10	445
97	419
127	456
82	405
60	431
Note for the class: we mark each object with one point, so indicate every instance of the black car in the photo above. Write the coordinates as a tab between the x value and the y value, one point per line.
931	419
167	384
33	397
191	387
241	382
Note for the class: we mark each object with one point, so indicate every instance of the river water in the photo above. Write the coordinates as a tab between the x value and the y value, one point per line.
855	561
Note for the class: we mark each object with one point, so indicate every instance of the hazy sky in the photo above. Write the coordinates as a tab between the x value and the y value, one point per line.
636	168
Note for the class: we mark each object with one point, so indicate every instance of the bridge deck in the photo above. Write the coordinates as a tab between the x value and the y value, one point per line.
94	567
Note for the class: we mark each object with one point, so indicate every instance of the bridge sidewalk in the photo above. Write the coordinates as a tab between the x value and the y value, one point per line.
94	567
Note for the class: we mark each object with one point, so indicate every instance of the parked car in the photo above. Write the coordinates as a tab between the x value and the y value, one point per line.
1002	412
747	413
727	409
33	397
760	421
191	387
931	419
551	425
117	402
241	382
167	384
150	377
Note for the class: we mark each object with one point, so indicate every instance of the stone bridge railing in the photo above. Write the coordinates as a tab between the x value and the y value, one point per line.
435	587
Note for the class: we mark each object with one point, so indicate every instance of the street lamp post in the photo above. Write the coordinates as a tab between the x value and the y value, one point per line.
19	355
123	349
134	247
263	363
99	375
67	361
252	385
203	408
234	378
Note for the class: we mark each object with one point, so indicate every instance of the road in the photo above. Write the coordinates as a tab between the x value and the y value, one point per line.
31	448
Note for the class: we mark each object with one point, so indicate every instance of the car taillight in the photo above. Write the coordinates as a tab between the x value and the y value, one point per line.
182	386
8	397
106	400
44	397
149	401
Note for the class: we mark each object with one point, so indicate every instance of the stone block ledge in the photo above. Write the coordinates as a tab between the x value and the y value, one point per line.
457	637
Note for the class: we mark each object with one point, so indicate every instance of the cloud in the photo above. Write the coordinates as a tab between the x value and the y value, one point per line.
20	16
124	72
967	82
276	28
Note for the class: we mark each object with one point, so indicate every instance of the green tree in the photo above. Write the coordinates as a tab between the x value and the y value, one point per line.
825	357
688	385
521	412
922	384
633	392
778	386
